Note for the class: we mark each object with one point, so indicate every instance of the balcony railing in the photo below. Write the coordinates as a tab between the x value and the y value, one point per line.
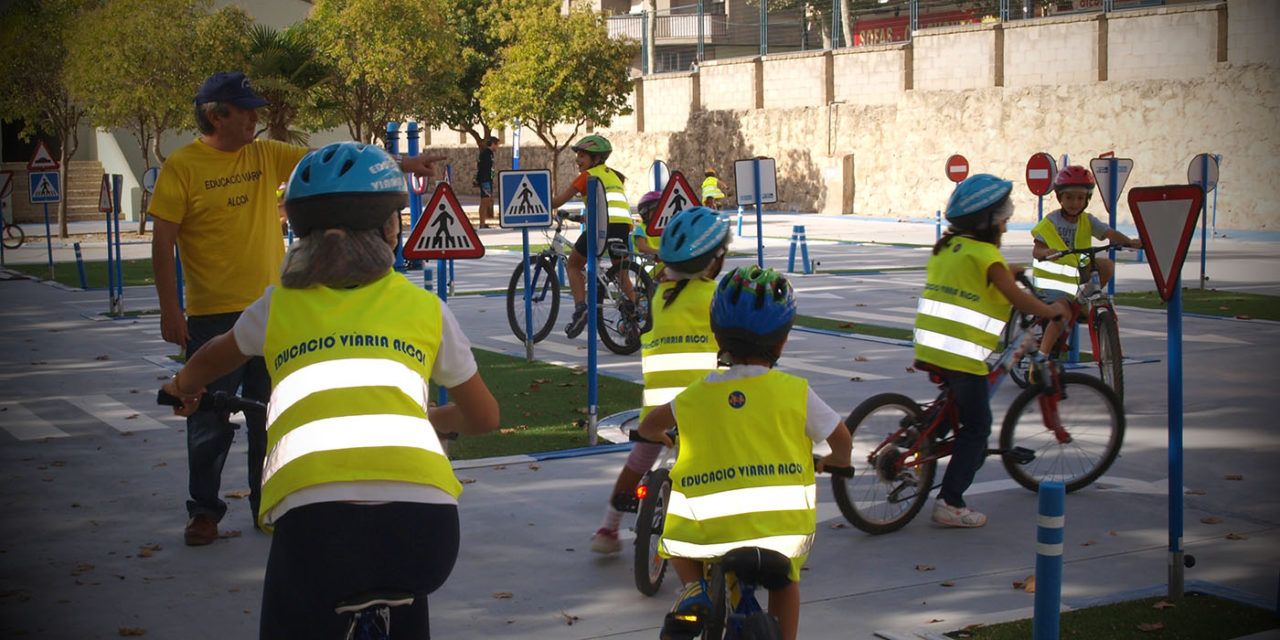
682	28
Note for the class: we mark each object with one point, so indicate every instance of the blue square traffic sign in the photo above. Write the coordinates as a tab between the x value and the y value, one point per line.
45	187
524	199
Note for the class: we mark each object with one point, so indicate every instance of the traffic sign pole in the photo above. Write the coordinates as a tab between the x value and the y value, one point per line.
415	198
593	261
755	180
111	256
117	185
1174	329
1114	177
1204	218
48	239
393	147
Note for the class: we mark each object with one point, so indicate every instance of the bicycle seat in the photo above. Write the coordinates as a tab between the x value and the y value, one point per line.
935	372
617	247
764	567
370	599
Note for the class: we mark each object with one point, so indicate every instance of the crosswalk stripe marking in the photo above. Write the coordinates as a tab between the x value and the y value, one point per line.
115	414
801	365
22	424
866	315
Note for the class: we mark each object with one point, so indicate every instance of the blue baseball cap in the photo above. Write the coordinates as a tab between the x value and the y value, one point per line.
231	87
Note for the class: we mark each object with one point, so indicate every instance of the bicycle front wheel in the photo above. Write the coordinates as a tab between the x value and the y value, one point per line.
649	565
1110	359
886	491
619	319
544	288
14	236
1092	432
717	591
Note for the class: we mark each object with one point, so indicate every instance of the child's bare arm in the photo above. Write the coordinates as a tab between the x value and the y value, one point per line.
1001	277
841	442
654	426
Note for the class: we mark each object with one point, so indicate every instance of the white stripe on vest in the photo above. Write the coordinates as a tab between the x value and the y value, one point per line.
678	362
964	348
736	502
343	374
957	313
661	395
1056	268
792	546
351	432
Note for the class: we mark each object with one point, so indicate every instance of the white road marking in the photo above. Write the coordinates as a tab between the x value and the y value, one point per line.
22	424
120	417
867	315
796	364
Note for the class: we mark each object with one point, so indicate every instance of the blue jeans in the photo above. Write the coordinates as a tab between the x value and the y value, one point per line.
209	434
974	403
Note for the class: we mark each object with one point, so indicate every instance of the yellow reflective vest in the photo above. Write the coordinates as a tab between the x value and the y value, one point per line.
744	476
349	371
680	347
711	188
619	210
1062	274
960	314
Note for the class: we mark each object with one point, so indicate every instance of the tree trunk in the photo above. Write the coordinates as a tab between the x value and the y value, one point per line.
62	202
846	22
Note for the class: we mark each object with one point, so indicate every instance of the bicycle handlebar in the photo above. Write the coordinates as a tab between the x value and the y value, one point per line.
1089	251
216	401
843	472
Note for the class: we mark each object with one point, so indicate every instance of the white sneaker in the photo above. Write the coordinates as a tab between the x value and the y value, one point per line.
606	541
949	516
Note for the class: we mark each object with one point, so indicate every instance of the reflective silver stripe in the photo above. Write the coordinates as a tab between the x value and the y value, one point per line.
1056	285
705	361
1051	522
661	395
963	348
1056	268
792	546
351	432
736	502
1048	549
343	374
957	313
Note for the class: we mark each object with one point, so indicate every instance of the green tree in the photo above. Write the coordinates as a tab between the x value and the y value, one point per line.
390	60
559	70
33	87
140	74
287	70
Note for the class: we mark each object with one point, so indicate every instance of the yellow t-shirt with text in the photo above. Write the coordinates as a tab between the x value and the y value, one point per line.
230	235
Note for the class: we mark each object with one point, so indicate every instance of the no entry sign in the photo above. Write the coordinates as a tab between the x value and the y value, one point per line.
1041	170
957	168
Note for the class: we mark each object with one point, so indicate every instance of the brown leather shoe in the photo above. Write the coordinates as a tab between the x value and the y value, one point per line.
201	530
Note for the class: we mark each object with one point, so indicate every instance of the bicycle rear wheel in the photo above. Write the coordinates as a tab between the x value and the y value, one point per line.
1094	423
1110	359
761	626
14	236
713	628
883	495
545	288
649	566
619	321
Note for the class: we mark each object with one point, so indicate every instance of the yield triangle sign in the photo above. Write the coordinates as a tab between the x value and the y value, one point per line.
41	159
443	231
676	197
1102	168
1166	219
104	195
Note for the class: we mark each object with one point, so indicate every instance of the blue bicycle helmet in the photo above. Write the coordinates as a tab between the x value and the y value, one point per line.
753	305
344	184
979	193
693	239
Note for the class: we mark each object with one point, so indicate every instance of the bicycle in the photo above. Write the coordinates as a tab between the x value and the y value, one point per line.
1072	426
14	236
620	318
1104	329
221	401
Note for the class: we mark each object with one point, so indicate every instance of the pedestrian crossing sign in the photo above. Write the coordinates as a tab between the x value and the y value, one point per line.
443	231
524	198
676	197
45	187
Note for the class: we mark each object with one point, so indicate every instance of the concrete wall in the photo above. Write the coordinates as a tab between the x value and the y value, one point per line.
1051	51
871	75
955	58
729	84
1252	32
1173	42
789	80
669	98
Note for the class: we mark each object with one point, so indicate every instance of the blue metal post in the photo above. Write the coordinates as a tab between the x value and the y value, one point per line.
2	222
48	239
764	32
739	221
1216	187
1073	343
755	180
448	174
393	147
528	266
1174	323
835	24
1050	534
1112	169
593	261
791	252
1040	208
937	225
84	281
415	200
442	394
1204	217
111	273
117	185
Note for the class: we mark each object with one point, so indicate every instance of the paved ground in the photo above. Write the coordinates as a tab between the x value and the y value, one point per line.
94	475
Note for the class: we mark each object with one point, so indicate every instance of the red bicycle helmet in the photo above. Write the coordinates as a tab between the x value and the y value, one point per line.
1073	176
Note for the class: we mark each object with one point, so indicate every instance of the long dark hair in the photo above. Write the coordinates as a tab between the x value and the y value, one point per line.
983	226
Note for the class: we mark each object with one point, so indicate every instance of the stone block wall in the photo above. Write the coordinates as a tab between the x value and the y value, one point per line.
1173	42
669	98
789	80
728	84
1253	33
871	75
955	58
1052	51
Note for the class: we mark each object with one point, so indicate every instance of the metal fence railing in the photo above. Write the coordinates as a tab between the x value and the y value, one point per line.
687	34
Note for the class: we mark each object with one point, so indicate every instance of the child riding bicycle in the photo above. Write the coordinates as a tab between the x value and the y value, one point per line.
711	192
356	487
641	241
678	349
746	436
1062	277
966	301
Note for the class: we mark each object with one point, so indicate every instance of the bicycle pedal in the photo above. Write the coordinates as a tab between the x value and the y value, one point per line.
1019	455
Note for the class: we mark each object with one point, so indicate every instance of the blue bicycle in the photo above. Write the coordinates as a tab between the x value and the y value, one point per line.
732	581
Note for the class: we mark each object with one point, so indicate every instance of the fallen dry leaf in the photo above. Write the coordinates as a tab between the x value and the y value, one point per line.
506	431
467	480
582	410
1233	476
1163	604
1088	543
132	416
1028	584
82	568
838	525
238	494
103	357
1244	317
1150	626
855	379
1237	536
132	631
846	325
229	533
541	380
1112	533
502	595
935	620
947	583
533	466
569	618
1211	520
148	550
924	567
1194	492
911	369
860	359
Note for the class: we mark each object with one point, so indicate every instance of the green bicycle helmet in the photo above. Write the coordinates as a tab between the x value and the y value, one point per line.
594	144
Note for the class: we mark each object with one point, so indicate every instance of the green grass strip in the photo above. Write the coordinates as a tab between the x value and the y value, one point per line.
1196	617
543	406
518	248
850	327
1211	302
136	272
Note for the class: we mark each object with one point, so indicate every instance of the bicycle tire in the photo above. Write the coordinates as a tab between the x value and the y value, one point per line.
1019	367
1095	422
619	321
713	628
1110	358
761	626
14	236
867	499
650	567
545	286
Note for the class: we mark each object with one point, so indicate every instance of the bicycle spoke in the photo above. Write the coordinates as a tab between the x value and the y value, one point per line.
1089	415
